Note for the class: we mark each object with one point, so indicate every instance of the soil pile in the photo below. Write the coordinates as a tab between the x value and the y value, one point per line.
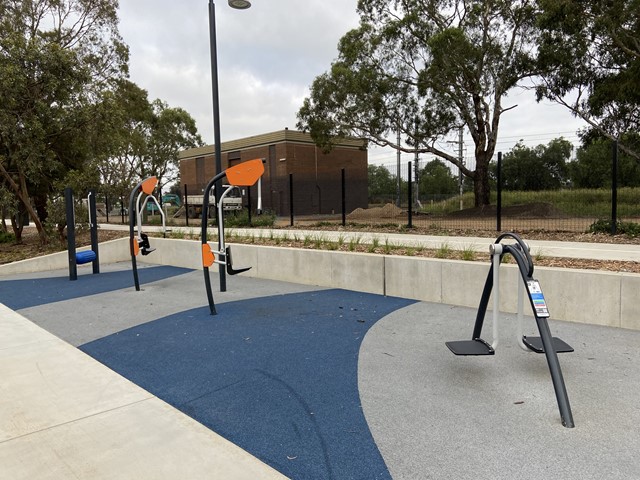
387	211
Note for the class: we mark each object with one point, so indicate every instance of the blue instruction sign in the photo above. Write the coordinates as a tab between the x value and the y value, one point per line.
537	298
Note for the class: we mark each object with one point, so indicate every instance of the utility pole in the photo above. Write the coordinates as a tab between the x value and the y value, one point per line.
398	171
417	172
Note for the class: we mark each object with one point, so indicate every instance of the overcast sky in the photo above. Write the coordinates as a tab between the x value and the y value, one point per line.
268	57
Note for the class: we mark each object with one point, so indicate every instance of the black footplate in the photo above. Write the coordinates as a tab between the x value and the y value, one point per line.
471	347
535	344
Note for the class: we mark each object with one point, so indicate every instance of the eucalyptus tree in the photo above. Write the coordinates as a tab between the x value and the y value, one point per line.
172	129
426	68
590	55
543	167
57	58
142	138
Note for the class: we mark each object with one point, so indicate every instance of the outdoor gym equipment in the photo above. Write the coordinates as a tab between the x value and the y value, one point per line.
139	241
78	258
545	343
244	174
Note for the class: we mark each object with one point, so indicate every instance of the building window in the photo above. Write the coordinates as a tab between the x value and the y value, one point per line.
233	158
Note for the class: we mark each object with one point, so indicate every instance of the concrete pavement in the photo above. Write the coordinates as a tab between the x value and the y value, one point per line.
547	248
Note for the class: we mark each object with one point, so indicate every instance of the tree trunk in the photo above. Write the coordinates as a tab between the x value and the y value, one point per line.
481	189
17	227
22	194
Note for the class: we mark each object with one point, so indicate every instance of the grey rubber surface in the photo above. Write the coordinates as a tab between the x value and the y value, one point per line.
437	416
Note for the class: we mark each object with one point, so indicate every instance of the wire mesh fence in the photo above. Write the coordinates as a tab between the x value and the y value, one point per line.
441	200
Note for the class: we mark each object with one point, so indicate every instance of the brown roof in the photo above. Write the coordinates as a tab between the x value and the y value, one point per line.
290	136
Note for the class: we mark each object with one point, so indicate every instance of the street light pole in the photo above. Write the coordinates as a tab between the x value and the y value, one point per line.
240	5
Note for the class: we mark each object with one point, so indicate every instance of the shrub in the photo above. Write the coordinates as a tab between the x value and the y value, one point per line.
630	229
241	219
6	237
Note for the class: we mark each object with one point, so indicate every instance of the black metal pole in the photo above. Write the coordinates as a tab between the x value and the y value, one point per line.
410	198
204	238
291	197
216	122
249	206
186	206
107	206
344	200
93	225
556	373
614	188
71	233
499	193
133	218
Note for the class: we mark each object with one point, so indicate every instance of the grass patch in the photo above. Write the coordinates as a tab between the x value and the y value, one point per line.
468	253
443	251
580	202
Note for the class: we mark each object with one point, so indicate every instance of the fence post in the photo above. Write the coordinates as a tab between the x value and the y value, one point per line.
499	194
614	188
344	206
186	206
410	197
249	200
291	197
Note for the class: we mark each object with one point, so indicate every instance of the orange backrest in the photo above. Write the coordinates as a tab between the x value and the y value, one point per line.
149	184
246	173
207	255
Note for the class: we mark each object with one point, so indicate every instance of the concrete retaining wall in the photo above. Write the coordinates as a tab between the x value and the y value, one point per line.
584	296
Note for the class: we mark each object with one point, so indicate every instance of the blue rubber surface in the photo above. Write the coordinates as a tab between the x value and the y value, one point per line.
18	294
275	375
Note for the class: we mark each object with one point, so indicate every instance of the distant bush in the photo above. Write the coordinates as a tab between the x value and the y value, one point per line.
630	229
241	219
6	237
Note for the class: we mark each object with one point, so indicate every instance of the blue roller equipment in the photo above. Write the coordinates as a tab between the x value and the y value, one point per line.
86	256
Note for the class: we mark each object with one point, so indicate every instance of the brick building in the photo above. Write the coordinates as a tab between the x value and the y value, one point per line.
317	177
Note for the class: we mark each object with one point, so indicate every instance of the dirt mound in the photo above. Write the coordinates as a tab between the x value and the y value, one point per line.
387	211
527	210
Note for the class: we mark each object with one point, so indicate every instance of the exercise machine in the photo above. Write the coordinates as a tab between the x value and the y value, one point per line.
545	343
138	240
244	174
85	256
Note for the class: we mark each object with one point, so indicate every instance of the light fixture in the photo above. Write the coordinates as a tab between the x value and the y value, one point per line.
239	4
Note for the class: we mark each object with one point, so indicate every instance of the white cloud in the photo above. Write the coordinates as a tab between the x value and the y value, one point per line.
268	57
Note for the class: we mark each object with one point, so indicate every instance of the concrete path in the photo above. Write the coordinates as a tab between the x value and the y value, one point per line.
547	248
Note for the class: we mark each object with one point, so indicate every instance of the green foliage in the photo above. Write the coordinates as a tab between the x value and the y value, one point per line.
540	168
6	237
437	179
629	229
381	182
571	202
53	75
468	253
443	251
592	167
425	68
590	61
240	219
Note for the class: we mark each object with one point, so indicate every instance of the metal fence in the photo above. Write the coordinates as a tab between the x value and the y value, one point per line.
408	202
